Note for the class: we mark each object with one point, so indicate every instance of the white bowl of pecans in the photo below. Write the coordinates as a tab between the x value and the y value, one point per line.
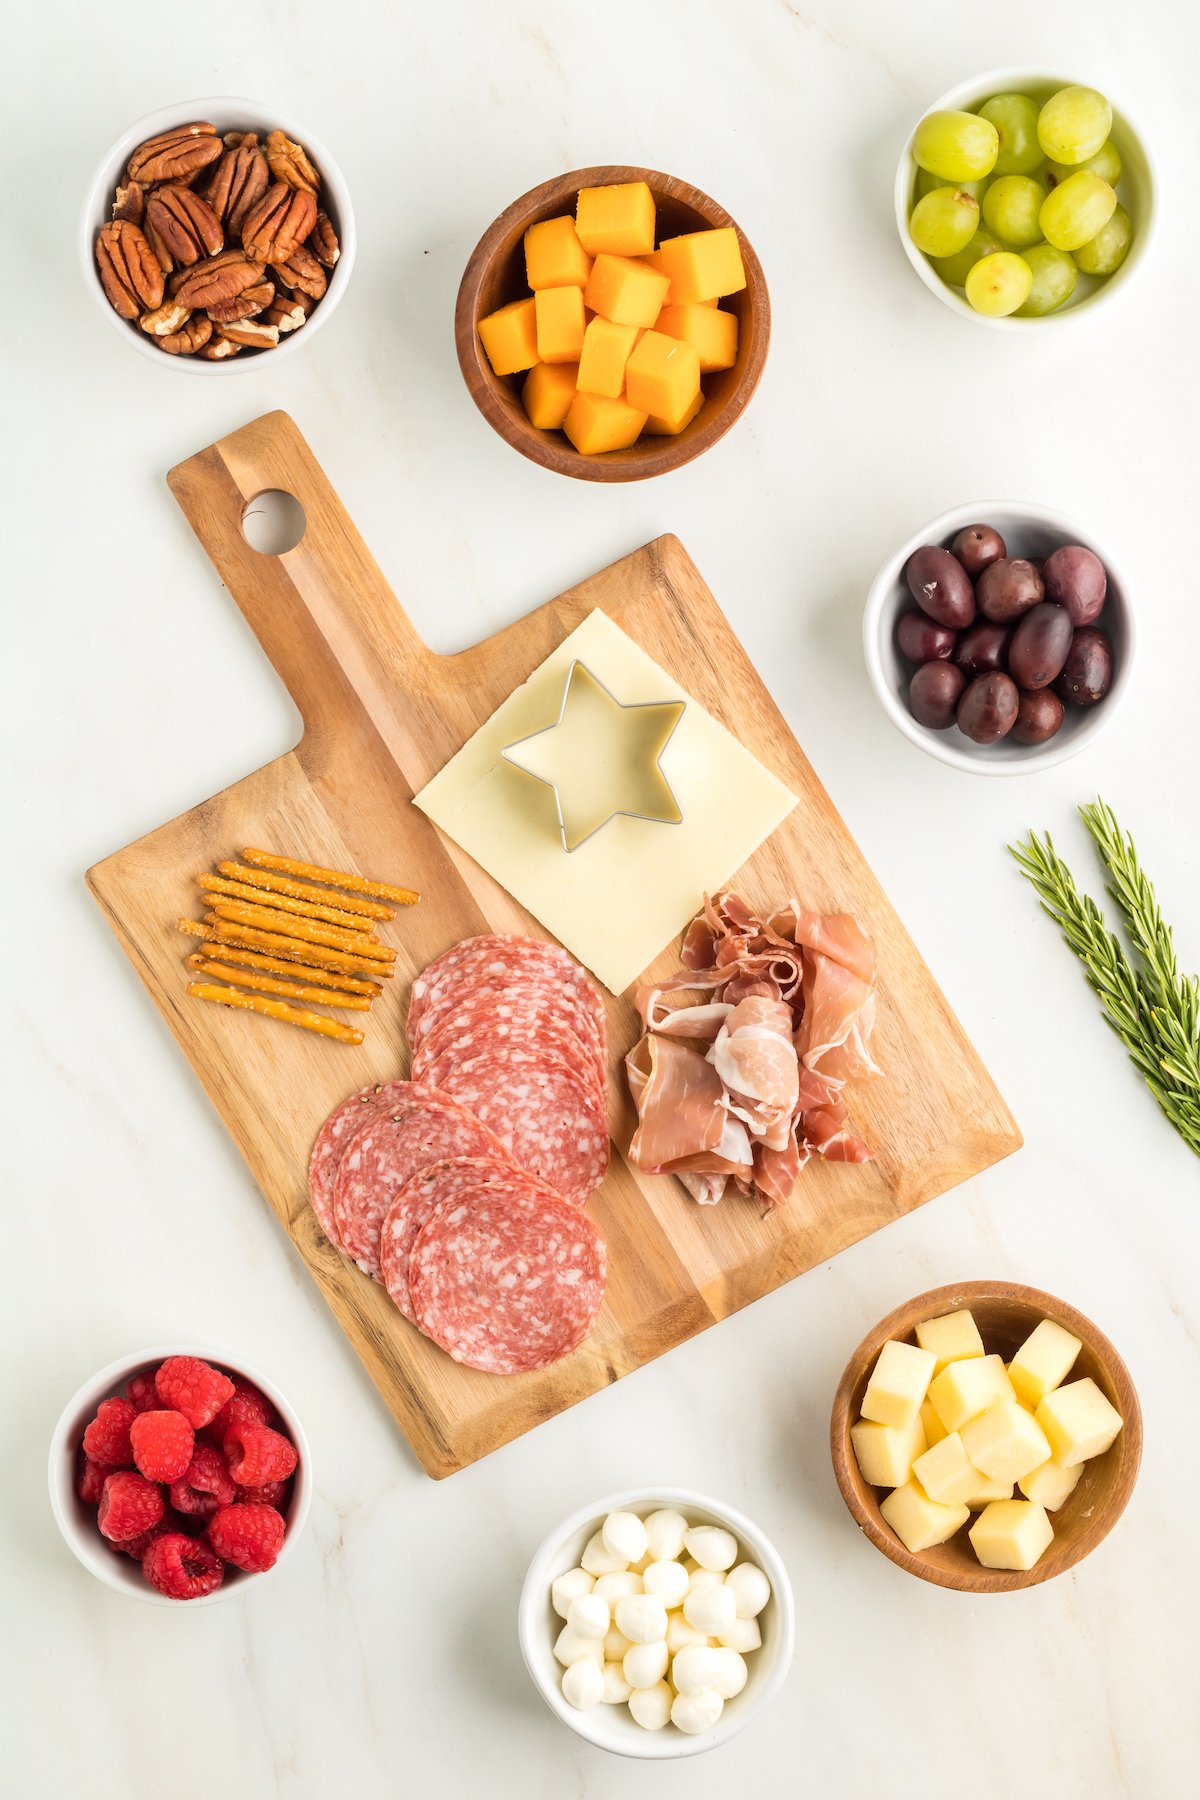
215	231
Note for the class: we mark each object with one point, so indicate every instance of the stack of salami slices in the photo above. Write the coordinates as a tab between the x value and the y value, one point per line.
462	1189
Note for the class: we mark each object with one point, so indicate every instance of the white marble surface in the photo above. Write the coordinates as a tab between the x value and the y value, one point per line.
382	1662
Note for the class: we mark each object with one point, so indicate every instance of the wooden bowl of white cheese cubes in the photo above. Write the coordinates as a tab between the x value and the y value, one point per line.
986	1437
657	1625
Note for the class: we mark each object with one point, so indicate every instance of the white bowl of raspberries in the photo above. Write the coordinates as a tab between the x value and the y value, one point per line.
179	1475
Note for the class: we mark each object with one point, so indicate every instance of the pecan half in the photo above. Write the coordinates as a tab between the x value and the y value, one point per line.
289	163
129	271
246	305
287	312
191	336
219	349
217	279
302	271
166	261
232	139
280	221
166	319
322	241
185	223
239	180
175	155
130	203
251	333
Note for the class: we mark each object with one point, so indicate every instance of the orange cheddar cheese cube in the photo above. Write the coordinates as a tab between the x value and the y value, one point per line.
595	424
662	375
509	337
657	427
618	220
558	316
547	394
625	290
554	256
702	265
606	349
713	333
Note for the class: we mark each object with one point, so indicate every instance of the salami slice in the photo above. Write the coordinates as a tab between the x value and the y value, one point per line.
476	1032
501	959
528	1000
341	1125
548	1117
420	1127
507	1282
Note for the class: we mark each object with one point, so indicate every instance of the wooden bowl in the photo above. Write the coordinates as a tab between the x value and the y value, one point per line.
1005	1315
496	274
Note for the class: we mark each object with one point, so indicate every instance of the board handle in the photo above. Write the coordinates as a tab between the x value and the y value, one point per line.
322	611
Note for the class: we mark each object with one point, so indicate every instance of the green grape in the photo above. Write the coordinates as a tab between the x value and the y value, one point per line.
958	146
999	284
927	183
1076	210
944	222
1011	207
1015	117
955	269
1073	124
1104	254
1106	164
1054	280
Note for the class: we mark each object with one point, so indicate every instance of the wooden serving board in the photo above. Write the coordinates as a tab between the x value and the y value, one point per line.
381	715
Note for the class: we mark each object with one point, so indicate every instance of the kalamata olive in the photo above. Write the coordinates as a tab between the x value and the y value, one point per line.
1039	645
1008	588
982	648
1087	673
940	586
1075	578
933	694
976	546
988	708
922	639
1039	715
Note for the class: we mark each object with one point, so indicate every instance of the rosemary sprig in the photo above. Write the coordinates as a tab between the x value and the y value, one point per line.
1152	1007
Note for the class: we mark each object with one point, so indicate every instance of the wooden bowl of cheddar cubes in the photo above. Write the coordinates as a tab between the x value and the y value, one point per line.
986	1437
612	324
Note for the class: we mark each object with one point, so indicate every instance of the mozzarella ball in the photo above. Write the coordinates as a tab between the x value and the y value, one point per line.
700	1578
651	1706
742	1635
615	1645
664	1534
624	1535
712	1547
598	1559
680	1634
731	1675
568	1587
751	1589
695	1713
583	1684
695	1668
615	1587
645	1664
616	1688
668	1581
588	1617
643	1618
569	1648
641	1565
712	1610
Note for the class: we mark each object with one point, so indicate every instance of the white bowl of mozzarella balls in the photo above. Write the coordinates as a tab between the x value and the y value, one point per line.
656	1626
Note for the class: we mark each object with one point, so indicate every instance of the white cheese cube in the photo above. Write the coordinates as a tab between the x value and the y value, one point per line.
885	1453
946	1472
898	1384
1044	1361
918	1521
965	1389
1050	1484
1022	1399
952	1338
1011	1534
935	1431
1005	1442
1079	1422
985	1491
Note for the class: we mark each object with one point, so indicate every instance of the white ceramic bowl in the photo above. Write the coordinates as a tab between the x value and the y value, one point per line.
1027	531
1137	194
226	115
613	1727
77	1521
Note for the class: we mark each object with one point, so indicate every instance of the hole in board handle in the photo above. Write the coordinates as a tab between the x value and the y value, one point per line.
273	522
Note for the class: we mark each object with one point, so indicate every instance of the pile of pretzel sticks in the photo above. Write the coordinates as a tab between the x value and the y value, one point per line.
279	930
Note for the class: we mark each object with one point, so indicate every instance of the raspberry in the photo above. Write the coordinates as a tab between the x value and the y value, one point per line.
129	1505
271	1493
162	1445
246	1407
249	1537
138	1546
191	1387
141	1392
256	1455
89	1483
182	1568
205	1485
106	1439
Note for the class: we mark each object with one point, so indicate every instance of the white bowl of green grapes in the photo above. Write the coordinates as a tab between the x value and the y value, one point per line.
1023	196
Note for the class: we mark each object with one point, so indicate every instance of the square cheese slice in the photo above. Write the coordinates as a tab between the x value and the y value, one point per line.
629	890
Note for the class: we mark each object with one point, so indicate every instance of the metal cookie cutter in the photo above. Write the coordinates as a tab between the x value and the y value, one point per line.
601	758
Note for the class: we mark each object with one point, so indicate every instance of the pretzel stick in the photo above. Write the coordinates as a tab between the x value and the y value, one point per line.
193	927
276	1009
273	965
267	919
248	939
329	915
271	984
357	884
300	890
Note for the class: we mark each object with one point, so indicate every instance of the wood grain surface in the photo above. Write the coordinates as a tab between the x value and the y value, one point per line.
381	715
